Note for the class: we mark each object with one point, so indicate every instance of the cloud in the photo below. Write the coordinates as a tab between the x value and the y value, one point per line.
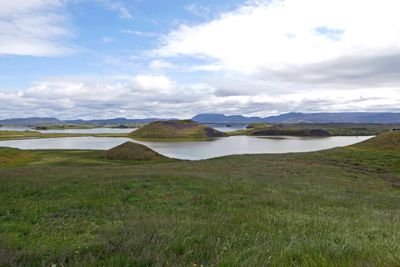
107	39
275	34
33	28
264	58
140	33
198	10
159	84
117	6
159	96
161	64
311	55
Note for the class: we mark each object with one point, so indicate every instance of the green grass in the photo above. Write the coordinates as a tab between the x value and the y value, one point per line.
175	130
339	207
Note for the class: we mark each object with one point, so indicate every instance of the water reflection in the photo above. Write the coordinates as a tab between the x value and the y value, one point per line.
196	150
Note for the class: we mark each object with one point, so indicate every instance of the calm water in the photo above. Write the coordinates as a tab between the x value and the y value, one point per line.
225	127
196	150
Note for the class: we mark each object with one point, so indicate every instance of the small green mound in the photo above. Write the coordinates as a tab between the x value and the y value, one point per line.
389	141
176	129
132	152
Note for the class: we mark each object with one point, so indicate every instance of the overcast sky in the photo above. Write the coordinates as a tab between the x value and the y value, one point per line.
144	58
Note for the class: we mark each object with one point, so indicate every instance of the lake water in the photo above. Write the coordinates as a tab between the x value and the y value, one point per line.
196	150
226	127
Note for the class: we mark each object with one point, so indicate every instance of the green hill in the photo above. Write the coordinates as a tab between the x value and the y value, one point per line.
175	129
389	141
132	151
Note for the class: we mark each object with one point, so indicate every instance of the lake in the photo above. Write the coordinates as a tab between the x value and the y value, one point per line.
196	150
226	127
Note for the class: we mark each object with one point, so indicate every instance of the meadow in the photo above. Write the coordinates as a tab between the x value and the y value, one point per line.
339	207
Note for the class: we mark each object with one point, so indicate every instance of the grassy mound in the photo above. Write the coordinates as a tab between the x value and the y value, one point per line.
389	141
132	151
175	129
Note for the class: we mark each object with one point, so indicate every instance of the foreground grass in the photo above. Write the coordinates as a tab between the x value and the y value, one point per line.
333	208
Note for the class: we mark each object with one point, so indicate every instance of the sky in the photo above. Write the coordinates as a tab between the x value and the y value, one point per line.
102	59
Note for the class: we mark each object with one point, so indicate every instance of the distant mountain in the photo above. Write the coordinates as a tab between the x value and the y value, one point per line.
293	117
343	117
30	121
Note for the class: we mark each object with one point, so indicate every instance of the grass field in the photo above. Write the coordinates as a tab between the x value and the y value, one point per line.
339	207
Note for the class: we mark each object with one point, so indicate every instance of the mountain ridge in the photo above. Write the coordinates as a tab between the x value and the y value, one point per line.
292	117
297	117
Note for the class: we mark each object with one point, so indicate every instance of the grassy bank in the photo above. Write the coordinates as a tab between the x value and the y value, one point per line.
17	135
333	208
304	129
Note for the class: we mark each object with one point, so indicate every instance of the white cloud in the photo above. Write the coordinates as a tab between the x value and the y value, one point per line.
198	10
140	33
117	6
274	34
33	28
161	84
107	40
160	64
160	96
264	58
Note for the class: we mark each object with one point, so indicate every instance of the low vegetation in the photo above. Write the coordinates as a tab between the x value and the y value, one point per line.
130	151
314	129
62	127
386	142
17	135
183	129
339	207
263	129
10	135
14	157
289	132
